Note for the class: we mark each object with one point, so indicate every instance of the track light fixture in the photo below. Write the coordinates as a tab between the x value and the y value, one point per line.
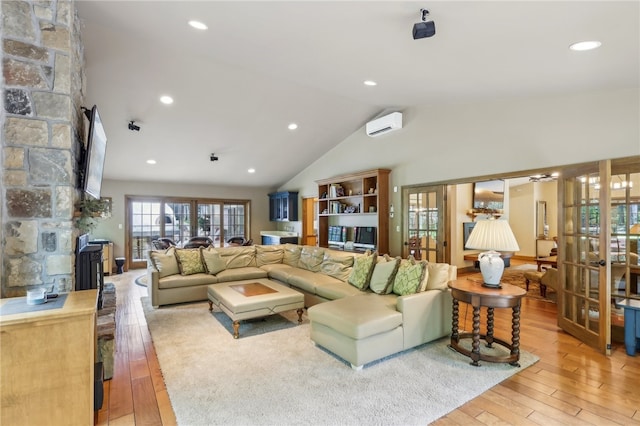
424	29
213	157
133	127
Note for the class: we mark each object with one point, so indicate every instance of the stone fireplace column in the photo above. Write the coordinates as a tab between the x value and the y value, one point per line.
42	136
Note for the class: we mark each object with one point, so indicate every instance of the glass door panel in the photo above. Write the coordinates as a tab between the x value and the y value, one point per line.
584	296
424	223
179	228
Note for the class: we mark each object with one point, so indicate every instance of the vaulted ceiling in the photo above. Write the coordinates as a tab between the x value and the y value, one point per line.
263	65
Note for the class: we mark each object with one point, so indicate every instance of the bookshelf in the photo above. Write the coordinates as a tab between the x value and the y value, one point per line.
354	208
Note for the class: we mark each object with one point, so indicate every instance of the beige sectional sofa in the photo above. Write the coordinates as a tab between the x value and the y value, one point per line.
361	307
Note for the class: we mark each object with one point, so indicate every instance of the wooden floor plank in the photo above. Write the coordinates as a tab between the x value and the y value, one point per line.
146	406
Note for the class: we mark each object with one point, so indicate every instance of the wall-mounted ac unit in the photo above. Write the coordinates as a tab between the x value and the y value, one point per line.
384	124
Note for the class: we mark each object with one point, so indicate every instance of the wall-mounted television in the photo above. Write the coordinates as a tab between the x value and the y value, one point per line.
488	195
95	154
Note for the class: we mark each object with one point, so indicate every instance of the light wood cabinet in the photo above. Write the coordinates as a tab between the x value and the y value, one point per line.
47	363
354	203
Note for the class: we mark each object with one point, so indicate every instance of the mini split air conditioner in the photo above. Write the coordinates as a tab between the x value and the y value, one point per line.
384	124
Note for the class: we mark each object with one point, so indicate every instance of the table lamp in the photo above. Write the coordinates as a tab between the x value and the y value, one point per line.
493	235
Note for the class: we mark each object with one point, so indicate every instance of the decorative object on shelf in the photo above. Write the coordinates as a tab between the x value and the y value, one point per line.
492	235
90	209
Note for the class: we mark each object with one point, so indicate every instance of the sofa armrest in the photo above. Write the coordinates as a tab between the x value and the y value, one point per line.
153	284
426	316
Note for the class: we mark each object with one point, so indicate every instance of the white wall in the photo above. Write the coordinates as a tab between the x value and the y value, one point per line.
455	141
109	228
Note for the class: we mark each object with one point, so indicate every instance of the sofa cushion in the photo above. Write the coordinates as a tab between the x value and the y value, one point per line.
362	269
336	290
337	265
165	262
384	274
409	276
237	274
268	255
291	255
307	280
278	271
438	276
213	262
178	281
357	317
239	257
189	261
311	258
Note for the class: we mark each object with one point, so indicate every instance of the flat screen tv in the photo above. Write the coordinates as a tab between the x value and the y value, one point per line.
488	195
366	235
95	154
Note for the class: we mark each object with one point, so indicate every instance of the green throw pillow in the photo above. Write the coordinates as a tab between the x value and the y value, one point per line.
383	275
408	277
189	261
362	270
212	260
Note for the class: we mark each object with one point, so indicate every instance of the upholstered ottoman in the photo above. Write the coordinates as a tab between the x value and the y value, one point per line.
248	299
359	329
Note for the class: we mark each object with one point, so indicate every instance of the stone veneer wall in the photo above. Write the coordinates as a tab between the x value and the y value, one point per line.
42	123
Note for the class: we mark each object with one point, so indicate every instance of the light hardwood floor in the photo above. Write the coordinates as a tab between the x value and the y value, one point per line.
571	384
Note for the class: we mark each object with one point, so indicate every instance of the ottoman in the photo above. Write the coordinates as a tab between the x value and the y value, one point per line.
359	329
241	300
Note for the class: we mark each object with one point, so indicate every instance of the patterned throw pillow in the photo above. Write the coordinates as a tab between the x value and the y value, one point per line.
213	262
409	277
165	262
384	274
189	261
362	270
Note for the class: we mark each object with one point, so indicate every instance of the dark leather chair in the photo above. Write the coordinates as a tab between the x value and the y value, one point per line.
249	242
236	241
162	243
196	242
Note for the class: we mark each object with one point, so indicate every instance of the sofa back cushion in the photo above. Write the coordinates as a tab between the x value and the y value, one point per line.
337	265
384	274
189	261
291	255
165	262
238	257
269	255
213	262
362	269
311	258
438	276
409	276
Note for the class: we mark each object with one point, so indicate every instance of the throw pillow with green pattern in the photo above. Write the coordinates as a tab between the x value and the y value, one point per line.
189	261
409	276
362	270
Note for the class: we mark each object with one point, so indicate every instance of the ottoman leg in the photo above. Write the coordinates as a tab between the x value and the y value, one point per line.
210	306
300	312
236	329
526	283
543	290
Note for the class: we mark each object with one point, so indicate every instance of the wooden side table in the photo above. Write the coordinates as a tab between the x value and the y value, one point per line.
475	294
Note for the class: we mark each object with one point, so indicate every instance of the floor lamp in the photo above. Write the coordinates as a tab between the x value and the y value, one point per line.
493	235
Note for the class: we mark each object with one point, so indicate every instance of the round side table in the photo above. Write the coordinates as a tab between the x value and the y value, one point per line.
477	295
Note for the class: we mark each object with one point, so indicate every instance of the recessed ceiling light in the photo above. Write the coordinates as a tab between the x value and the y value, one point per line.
167	100
198	25
251	170
292	126
151	161
581	46
370	83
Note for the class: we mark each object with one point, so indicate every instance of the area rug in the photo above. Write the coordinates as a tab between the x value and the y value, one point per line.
515	276
274	374
142	280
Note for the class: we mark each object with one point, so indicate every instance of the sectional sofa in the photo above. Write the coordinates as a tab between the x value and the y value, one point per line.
361	307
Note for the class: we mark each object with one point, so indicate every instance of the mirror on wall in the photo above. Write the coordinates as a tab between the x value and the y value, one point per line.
541	220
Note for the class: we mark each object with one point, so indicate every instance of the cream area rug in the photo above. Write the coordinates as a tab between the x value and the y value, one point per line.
274	374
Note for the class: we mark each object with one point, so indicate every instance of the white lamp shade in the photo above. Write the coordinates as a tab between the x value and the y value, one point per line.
492	234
